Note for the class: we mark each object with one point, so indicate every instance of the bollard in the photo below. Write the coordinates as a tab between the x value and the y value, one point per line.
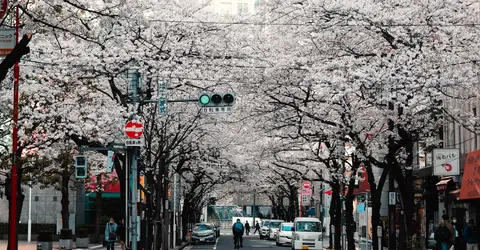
39	246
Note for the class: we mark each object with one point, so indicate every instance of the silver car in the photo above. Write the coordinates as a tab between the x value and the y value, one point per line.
203	233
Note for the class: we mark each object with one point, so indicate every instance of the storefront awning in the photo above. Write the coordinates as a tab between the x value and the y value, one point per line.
471	177
442	185
455	192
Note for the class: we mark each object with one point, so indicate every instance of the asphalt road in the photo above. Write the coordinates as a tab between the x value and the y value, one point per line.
225	242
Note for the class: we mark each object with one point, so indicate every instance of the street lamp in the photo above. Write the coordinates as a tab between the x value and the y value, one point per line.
29	237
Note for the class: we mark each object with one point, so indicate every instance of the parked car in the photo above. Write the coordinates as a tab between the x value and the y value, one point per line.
273	228
216	228
284	234
307	233
264	228
203	233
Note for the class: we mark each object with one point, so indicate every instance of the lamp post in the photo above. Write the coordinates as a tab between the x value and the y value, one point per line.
29	237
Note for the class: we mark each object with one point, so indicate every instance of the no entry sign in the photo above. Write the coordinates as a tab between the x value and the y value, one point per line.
134	129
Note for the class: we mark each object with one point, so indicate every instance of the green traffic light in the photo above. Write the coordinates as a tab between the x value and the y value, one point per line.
204	99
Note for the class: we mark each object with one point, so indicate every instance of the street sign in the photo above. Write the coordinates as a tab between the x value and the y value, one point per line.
134	129
162	97
225	109
110	161
134	142
392	200
7	41
307	184
4	7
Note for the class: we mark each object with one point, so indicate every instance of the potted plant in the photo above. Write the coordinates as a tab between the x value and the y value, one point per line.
82	238
45	239
66	239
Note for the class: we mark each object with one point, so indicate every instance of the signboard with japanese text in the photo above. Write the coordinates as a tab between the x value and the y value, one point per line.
446	161
7	41
471	177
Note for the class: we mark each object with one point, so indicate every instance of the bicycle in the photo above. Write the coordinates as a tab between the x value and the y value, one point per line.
236	242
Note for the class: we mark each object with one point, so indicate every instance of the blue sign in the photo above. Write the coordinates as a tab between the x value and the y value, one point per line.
162	106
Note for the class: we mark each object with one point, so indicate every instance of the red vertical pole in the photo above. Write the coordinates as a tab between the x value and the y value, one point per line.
12	243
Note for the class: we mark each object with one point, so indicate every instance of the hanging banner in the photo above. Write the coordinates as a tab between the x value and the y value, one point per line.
7	41
471	177
446	161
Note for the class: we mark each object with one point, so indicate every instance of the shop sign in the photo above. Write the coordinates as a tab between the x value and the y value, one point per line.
446	161
471	177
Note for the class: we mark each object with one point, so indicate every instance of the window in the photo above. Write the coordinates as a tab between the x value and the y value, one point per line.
54	198
287	227
274	224
36	198
307	226
225	8
242	8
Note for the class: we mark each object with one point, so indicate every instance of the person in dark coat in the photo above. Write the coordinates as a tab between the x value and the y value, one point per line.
257	228
121	234
247	228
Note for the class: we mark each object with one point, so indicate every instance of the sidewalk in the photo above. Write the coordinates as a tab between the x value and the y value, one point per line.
23	245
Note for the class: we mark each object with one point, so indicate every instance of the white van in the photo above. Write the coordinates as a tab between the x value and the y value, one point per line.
307	233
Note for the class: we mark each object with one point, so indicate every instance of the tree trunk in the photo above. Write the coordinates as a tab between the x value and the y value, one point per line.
376	198
99	236
350	222
336	209
65	201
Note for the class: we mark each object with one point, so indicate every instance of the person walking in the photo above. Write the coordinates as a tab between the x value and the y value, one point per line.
121	234
247	228
444	235
471	235
110	234
458	233
257	228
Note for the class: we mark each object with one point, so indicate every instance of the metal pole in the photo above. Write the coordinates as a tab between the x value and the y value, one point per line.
134	200
127	186
13	234
133	230
253	208
366	236
29	237
174	209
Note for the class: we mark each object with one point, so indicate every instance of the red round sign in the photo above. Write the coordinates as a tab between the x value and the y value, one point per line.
448	167
134	129
4	6
306	184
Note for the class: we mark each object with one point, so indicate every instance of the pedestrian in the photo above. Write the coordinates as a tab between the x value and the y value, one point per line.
110	235
458	232
257	228
472	236
247	228
238	230
444	234
121	234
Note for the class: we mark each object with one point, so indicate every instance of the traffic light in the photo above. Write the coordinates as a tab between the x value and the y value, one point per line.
216	99
80	167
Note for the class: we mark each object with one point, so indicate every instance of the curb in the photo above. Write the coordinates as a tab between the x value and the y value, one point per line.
182	246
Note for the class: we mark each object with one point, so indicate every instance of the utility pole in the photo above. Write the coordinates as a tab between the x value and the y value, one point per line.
13	232
392	234
134	221
166	216
253	208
